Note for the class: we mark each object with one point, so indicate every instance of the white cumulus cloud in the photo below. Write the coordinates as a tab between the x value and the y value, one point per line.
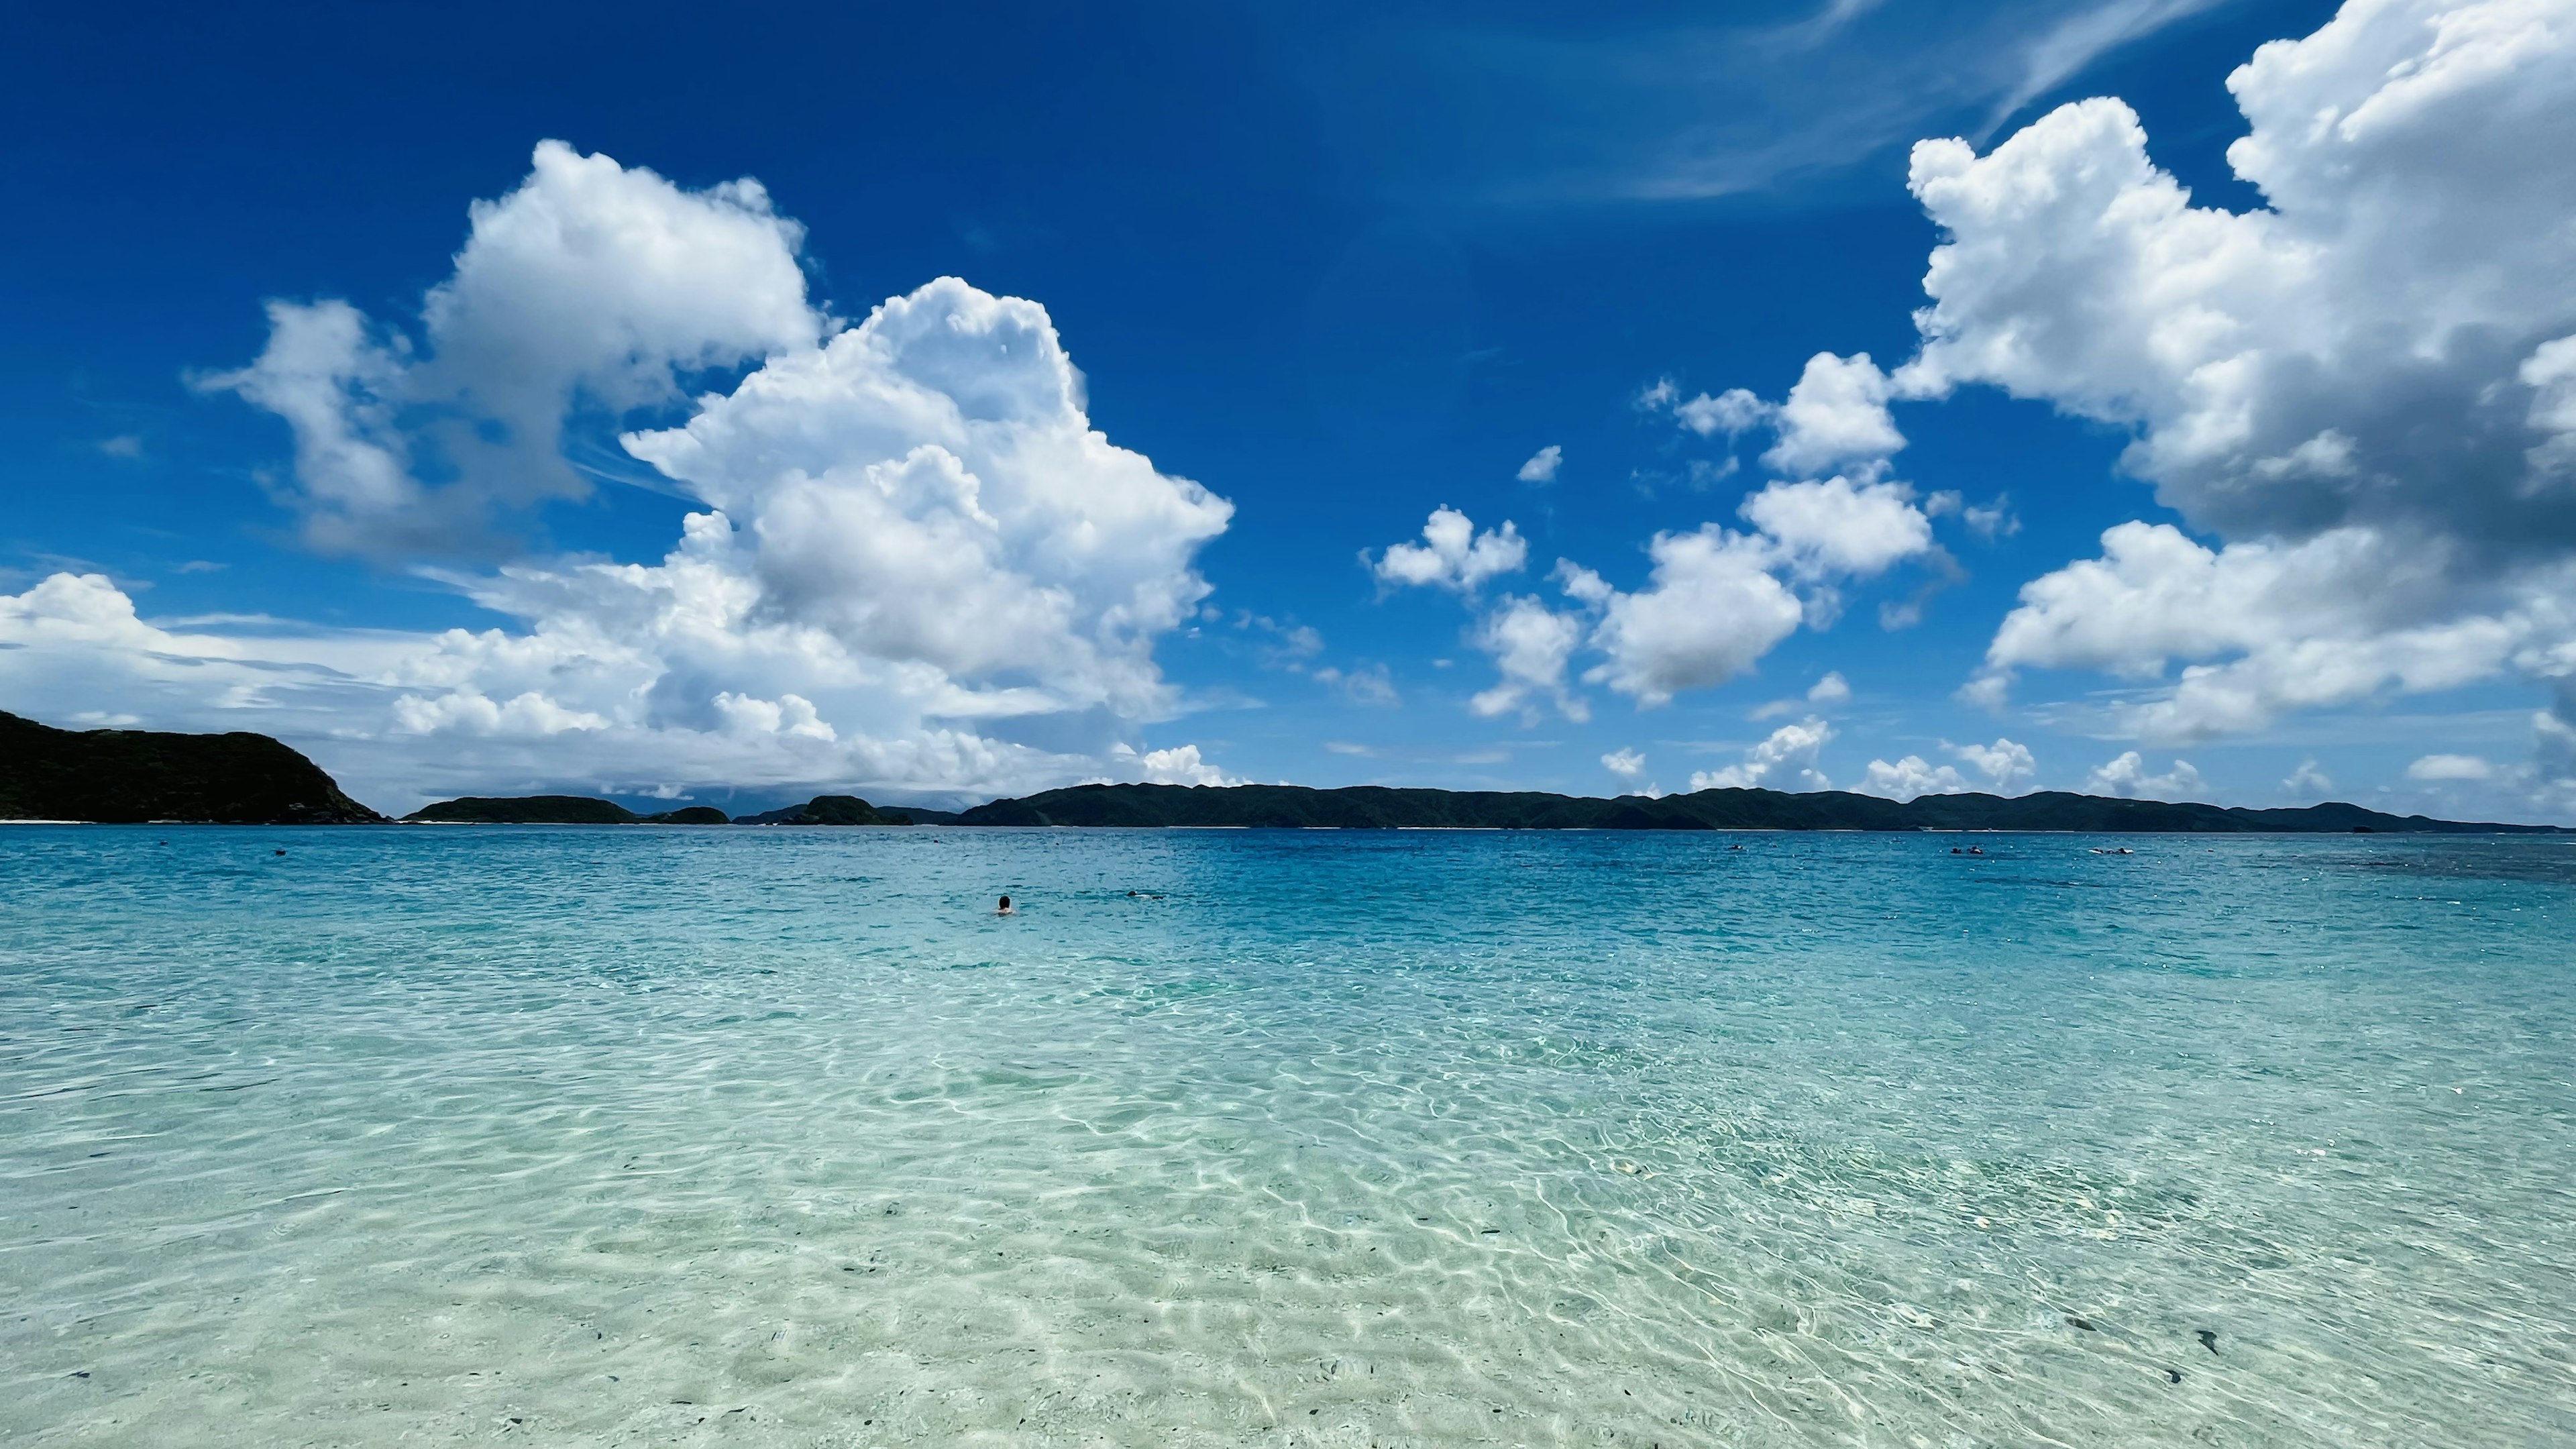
926	488
2126	776
1829	692
1626	764
1715	600
1909	777
1785	761
1542	466
2327	620
1530	644
1838	527
1732	412
1452	554
466	710
593	284
914	563
2365	388
1711	607
788	714
1836	417
2007	767
1179	765
2308	782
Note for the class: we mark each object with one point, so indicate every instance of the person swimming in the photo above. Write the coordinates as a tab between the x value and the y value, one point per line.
1005	908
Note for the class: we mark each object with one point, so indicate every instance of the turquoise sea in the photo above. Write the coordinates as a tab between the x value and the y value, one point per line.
729	1136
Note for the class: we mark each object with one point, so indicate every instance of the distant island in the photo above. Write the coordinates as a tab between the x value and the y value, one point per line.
849	810
584	810
527	810
1375	807
132	776
125	777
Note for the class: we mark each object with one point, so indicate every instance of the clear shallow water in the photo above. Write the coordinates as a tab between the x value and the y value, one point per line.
776	1137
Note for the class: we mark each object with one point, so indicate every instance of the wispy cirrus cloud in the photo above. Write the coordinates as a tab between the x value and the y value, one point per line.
1612	104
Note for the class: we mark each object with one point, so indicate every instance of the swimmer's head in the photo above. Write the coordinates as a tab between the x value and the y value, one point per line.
1006	903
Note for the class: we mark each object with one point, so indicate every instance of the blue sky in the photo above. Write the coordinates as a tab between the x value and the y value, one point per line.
1321	271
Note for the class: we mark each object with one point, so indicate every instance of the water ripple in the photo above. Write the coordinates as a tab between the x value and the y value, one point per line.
775	1137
